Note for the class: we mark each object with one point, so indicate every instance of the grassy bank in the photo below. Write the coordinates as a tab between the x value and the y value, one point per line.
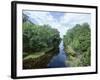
38	59
36	54
74	58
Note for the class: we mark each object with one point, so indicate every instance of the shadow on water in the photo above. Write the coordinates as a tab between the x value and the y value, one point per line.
52	59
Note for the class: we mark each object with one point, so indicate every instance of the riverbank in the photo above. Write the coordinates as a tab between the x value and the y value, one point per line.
74	58
38	59
37	54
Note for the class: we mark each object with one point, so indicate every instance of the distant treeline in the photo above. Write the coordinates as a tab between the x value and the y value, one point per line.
77	43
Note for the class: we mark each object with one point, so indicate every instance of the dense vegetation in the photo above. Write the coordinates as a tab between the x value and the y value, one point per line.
37	38
77	45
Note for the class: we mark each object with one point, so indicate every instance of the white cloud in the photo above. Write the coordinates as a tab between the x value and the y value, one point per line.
40	17
75	18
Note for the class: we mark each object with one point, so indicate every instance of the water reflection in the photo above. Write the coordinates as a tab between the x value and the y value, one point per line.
59	59
52	59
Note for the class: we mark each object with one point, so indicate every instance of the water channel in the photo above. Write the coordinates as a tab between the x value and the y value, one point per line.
59	59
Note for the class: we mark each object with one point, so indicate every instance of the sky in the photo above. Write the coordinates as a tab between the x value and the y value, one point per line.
59	20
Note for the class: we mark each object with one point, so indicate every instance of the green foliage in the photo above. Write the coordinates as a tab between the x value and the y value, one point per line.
79	39
37	38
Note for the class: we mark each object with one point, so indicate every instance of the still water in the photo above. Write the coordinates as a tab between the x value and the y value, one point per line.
59	59
53	59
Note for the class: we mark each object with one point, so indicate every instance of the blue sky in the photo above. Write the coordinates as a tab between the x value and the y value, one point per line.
59	20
